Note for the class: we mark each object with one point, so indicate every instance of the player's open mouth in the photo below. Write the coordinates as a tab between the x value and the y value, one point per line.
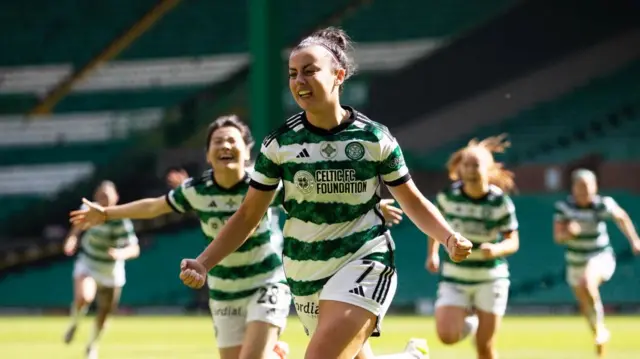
226	157
304	94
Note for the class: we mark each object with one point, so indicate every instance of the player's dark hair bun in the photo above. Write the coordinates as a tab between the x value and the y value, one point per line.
336	41
335	36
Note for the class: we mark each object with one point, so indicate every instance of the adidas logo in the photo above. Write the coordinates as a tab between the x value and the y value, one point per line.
357	290
303	154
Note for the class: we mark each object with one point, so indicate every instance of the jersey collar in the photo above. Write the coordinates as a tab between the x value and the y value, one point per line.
333	131
233	188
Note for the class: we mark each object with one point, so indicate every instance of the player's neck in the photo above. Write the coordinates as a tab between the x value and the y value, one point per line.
476	190
328	119
228	178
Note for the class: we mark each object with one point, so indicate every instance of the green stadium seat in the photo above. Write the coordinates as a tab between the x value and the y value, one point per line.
549	121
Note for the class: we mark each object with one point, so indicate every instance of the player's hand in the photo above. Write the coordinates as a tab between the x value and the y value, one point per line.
70	246
574	228
458	247
635	247
488	250
93	215
392	215
192	273
115	253
433	263
176	177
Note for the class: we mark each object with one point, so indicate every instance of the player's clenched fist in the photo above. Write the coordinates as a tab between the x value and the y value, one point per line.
192	273
458	247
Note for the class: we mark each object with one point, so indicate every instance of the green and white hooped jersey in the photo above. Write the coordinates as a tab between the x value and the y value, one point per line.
480	220
96	242
594	237
257	262
331	181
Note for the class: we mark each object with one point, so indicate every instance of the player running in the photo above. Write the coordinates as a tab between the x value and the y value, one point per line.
579	224
472	295
251	279
338	254
100	266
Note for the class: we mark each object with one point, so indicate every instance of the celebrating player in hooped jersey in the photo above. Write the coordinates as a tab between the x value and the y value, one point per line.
99	270
477	206
249	300
579	224
338	254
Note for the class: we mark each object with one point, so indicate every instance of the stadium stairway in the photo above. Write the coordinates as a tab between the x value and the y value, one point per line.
171	62
41	156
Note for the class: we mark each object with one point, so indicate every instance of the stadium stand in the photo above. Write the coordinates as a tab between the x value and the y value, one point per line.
160	93
617	95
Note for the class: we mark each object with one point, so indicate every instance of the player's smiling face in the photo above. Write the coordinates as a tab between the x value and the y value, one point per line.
227	149
314	79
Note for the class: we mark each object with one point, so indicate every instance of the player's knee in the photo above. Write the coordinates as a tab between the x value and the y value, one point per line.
588	284
320	347
81	299
448	333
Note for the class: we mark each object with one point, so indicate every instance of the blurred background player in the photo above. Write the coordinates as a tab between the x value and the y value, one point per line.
579	224
476	205
100	267
338	256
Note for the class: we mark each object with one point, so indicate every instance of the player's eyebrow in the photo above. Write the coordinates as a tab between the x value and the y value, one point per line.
303	68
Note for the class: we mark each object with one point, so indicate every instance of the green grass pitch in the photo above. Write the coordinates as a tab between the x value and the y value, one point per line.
191	337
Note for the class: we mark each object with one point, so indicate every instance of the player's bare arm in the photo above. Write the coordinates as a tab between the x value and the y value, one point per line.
626	226
234	233
430	221
141	209
508	246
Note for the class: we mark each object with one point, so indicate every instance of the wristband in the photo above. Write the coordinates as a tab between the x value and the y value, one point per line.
454	234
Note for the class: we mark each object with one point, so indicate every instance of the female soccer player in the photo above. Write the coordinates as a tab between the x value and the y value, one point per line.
477	205
579	224
338	254
248	300
99	269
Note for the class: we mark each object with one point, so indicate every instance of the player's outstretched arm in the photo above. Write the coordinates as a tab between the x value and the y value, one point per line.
232	235
429	219
625	224
95	214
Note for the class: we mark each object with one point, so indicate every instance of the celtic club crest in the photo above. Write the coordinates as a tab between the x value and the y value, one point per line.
354	151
